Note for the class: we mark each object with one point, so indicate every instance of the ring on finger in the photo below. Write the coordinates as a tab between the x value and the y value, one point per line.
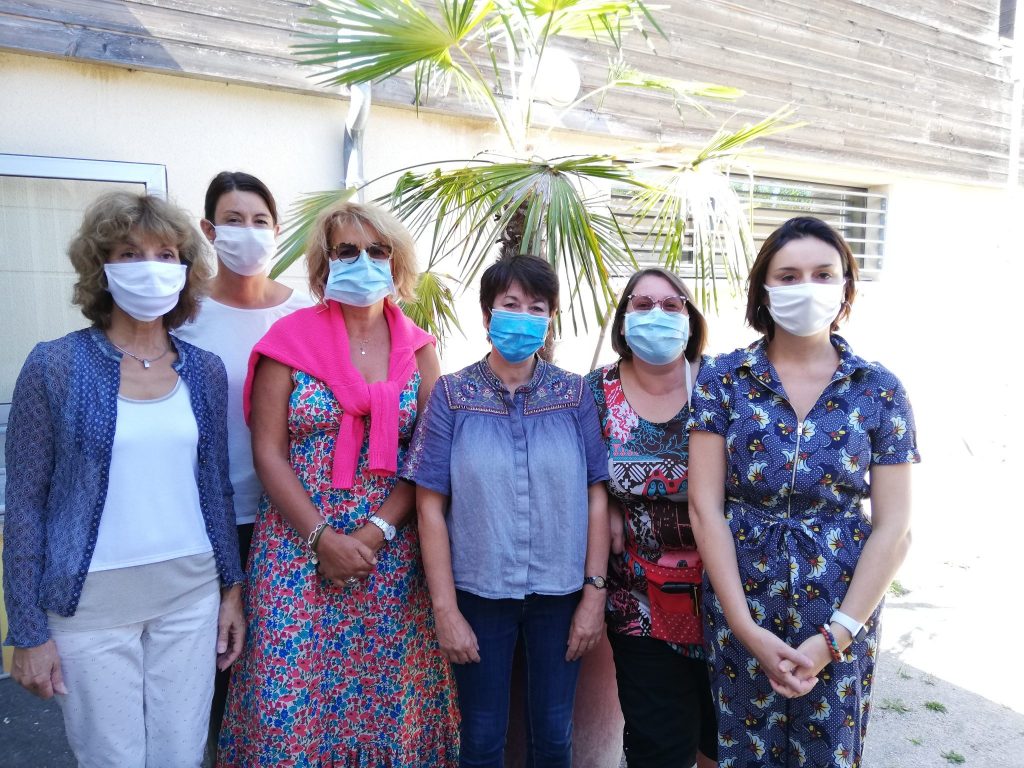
351	580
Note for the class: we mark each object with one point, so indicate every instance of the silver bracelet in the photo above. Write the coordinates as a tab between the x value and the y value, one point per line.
313	539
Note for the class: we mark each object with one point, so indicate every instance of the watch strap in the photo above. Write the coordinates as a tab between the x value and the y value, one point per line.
385	527
857	630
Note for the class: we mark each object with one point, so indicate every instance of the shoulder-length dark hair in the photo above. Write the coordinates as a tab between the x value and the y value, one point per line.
698	325
795	229
236	181
107	223
535	276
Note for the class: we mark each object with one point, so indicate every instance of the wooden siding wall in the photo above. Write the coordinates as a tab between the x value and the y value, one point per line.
915	86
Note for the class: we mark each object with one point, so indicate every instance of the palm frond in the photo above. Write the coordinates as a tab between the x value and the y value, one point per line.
726	143
467	209
433	309
300	223
695	206
370	40
602	20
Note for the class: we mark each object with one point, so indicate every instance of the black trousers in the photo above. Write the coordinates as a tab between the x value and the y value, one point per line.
666	702
220	682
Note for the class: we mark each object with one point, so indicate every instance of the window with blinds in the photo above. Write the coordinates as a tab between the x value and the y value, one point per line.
856	212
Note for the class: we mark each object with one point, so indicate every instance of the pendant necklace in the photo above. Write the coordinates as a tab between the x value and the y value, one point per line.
146	362
362	346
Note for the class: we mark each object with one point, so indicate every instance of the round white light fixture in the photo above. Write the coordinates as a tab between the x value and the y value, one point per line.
558	78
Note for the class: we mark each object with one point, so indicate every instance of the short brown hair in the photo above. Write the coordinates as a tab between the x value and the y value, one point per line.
107	223
404	269
796	229
698	325
535	276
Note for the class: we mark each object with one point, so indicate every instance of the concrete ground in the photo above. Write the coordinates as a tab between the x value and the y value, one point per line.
31	731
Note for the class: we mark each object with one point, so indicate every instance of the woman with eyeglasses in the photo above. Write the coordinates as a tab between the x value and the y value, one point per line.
509	470
343	667
785	435
654	574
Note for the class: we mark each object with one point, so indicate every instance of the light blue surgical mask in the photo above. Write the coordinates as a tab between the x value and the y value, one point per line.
517	335
657	337
361	283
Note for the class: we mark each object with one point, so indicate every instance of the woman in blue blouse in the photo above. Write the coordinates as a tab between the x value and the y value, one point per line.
121	572
784	435
510	468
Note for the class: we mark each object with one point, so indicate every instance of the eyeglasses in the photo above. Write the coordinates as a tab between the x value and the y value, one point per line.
670	304
347	253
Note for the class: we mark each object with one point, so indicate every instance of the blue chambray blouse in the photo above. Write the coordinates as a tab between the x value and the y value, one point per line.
516	469
59	438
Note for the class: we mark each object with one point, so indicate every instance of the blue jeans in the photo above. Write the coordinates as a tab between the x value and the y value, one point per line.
543	622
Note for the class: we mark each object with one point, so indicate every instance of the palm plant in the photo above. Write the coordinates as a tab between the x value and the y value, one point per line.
491	52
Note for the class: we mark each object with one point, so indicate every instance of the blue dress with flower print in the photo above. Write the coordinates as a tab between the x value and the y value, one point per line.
794	492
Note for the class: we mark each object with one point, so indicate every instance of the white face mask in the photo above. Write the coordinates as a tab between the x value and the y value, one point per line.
145	290
245	250
805	309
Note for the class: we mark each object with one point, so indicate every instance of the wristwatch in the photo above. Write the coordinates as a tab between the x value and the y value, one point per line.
854	627
597	582
385	527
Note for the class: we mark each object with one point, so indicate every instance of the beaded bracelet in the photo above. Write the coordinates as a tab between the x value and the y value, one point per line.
314	539
833	646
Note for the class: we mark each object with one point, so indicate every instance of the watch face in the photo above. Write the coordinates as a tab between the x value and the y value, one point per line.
597	581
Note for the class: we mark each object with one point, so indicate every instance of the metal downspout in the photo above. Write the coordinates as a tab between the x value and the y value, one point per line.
352	147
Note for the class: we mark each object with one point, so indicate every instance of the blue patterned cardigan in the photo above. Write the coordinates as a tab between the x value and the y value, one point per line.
59	438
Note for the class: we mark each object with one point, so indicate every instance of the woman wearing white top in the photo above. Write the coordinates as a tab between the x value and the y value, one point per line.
120	551
242	303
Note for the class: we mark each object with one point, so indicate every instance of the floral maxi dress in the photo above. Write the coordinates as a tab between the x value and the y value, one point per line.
335	676
793	503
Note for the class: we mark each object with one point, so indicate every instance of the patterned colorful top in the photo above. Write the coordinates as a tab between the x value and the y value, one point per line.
647	465
516	468
794	491
341	676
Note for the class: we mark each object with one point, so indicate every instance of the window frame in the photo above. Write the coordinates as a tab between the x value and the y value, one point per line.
154	176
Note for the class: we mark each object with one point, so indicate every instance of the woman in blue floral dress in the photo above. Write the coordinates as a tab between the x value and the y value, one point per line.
784	436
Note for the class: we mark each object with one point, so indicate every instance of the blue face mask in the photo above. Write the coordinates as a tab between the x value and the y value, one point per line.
362	283
657	337
517	335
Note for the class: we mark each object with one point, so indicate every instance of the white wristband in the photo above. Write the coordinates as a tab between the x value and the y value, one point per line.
855	628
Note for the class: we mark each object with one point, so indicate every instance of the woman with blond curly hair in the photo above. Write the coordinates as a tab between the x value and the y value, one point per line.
121	570
343	667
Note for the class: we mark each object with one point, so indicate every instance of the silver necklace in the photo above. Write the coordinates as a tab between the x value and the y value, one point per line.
146	362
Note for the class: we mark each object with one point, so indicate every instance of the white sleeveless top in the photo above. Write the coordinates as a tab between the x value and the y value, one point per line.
152	511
